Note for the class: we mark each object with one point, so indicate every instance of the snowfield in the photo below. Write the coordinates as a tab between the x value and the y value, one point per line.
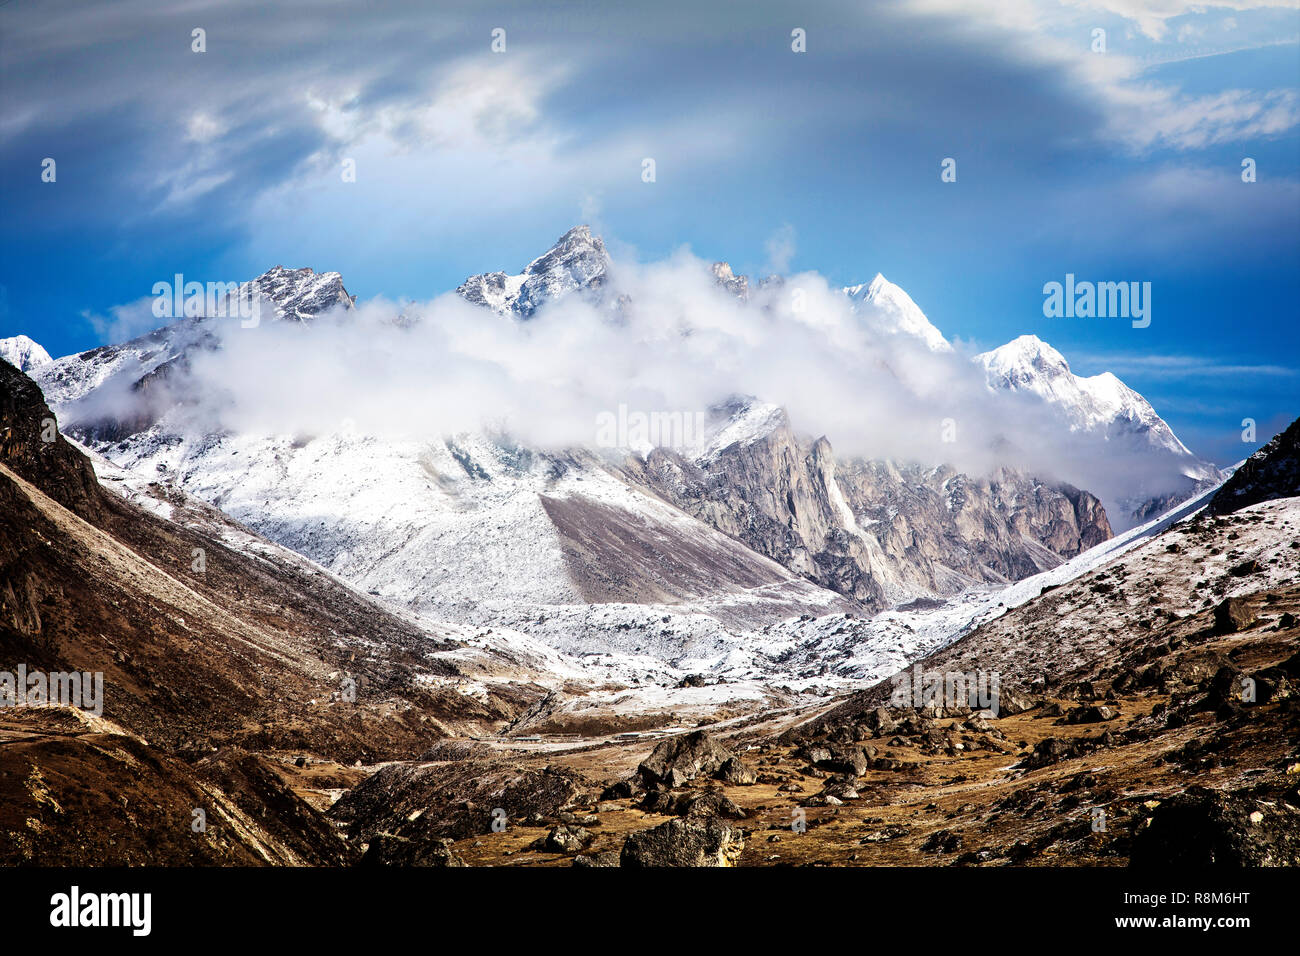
531	629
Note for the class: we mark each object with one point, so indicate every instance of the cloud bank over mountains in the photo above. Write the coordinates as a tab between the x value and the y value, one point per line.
864	368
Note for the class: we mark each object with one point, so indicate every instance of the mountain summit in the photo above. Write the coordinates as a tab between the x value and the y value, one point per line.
23	353
1101	408
893	311
299	294
577	261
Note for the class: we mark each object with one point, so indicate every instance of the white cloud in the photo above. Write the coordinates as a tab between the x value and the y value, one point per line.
123	322
203	128
1140	112
1180	367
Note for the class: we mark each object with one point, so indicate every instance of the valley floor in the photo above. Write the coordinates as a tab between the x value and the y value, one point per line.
1140	750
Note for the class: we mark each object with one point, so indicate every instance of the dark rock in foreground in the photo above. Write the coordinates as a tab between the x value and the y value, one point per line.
1208	828
387	849
688	842
1232	615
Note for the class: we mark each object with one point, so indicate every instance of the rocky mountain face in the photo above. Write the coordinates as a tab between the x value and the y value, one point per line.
875	531
1272	472
736	285
297	295
32	448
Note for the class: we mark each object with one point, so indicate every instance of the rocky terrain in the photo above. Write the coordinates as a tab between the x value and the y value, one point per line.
1272	472
1146	711
337	648
1126	732
877	531
207	655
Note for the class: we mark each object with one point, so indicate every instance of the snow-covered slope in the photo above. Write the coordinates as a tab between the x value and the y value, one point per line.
23	353
892	310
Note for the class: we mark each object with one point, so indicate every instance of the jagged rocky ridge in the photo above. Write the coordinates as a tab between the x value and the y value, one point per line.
1272	472
876	531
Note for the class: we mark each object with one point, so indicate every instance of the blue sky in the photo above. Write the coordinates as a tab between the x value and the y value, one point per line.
1115	165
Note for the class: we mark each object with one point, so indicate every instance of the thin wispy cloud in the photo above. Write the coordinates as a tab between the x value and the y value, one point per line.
1179	366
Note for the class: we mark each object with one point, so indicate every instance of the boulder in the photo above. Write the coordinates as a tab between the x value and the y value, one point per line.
679	760
566	839
942	841
1232	615
1091	714
881	722
684	842
1011	702
386	849
713	804
1048	751
710	803
737	773
1203	827
837	758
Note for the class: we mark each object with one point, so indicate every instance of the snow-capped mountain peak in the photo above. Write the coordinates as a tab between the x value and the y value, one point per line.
23	353
1101	406
892	310
1029	364
1024	362
577	261
289	295
727	279
298	294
